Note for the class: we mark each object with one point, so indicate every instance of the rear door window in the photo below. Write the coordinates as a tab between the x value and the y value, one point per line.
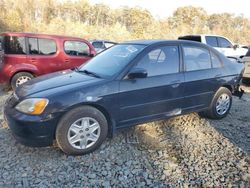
196	58
212	41
216	62
76	48
14	45
39	46
46	46
33	46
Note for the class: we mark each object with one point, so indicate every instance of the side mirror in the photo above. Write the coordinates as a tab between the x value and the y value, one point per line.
137	73
235	46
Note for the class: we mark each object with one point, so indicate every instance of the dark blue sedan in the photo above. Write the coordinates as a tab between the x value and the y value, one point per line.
128	84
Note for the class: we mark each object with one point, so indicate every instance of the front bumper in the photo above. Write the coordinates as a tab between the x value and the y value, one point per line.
34	131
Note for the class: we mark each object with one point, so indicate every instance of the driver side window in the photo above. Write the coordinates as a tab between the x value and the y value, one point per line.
224	43
160	61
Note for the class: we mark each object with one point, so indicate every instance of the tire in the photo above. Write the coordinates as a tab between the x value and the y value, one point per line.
73	126
20	78
223	94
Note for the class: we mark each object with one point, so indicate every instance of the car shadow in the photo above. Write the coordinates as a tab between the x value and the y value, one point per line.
236	126
188	150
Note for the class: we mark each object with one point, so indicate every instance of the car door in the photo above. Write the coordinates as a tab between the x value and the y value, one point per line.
158	95
212	41
226	47
76	53
201	79
43	54
15	51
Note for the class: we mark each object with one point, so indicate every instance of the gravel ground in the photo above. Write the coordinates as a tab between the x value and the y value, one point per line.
179	152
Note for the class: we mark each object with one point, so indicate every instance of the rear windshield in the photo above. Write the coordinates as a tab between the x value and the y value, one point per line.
192	38
97	44
14	45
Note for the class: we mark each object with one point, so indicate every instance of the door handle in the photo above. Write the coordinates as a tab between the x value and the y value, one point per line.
175	83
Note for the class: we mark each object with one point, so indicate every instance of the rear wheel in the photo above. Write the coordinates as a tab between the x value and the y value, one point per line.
20	78
82	130
220	105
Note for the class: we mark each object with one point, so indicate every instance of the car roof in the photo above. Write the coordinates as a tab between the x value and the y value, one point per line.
161	41
196	35
26	34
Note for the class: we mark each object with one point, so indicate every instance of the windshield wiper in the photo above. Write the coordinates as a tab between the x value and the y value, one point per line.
88	72
75	69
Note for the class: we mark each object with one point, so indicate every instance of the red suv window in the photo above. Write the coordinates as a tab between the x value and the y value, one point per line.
14	45
76	48
42	46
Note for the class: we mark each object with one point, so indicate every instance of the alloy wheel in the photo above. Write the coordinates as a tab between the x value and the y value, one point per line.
84	133
21	80
223	104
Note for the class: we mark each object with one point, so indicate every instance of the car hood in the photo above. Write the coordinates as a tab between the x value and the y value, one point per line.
54	80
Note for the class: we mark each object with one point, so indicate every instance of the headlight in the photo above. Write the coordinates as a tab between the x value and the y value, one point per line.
34	106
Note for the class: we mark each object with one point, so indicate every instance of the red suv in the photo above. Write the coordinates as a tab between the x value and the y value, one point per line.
27	55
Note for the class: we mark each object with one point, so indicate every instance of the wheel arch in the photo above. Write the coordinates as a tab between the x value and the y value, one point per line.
107	116
101	109
228	86
28	71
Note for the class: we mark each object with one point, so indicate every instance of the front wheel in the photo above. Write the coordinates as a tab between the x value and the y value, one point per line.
221	104
20	78
82	130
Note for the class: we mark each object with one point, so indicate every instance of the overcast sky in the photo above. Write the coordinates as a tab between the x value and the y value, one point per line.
161	8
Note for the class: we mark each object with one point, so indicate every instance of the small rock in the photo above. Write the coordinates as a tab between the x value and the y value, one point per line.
106	184
92	176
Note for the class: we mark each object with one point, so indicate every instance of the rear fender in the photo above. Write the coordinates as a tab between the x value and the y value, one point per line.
12	70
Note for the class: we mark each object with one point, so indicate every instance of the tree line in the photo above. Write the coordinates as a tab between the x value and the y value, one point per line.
80	18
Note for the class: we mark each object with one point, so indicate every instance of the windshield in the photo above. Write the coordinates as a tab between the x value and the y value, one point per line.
113	60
